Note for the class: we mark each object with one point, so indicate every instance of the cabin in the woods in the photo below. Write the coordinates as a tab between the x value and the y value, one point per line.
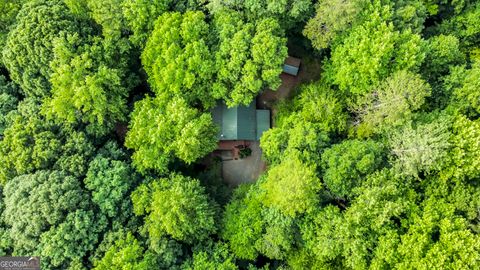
291	66
241	122
240	125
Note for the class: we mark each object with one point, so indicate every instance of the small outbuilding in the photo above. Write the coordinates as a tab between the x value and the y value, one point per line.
291	65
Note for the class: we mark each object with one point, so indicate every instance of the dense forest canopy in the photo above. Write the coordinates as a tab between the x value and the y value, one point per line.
372	163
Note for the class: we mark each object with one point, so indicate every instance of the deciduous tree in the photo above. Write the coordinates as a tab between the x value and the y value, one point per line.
162	129
177	57
292	187
288	12
249	57
9	94
176	206
48	214
88	85
372	51
29	47
211	256
422	149
32	143
110	178
9	10
242	222
346	164
332	19
127	253
392	103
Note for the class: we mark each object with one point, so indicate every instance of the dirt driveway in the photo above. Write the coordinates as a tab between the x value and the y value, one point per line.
247	170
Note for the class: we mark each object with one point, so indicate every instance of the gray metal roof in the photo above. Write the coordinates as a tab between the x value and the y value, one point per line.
263	122
241	122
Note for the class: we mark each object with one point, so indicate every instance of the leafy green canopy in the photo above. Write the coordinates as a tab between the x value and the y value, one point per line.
288	12
346	164
463	85
242	222
163	129
9	10
249	57
127	253
464	26
89	83
292	187
332	19
177	57
49	214
110	178
29	46
442	53
306	126
392	103
372	51
9	94
211	256
176	206
32	143
422	149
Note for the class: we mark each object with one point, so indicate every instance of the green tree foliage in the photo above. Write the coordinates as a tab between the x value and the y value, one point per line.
127	253
108	14
9	94
29	46
9	10
141	16
410	14
392	103
31	143
320	226
464	26
443	51
320	105
351	239
251	228
288	12
438	238
306	125
423	148
332	19
442	7
177	58
294	138
215	256
242	222
89	84
110	178
466	149
463	85
292	187
374	218
47	214
346	164
373	166
162	129
5	242
278	236
372	51
176	206
249	58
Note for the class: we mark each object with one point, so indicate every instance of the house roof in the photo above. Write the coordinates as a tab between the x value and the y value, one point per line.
292	61
241	122
291	65
263	122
